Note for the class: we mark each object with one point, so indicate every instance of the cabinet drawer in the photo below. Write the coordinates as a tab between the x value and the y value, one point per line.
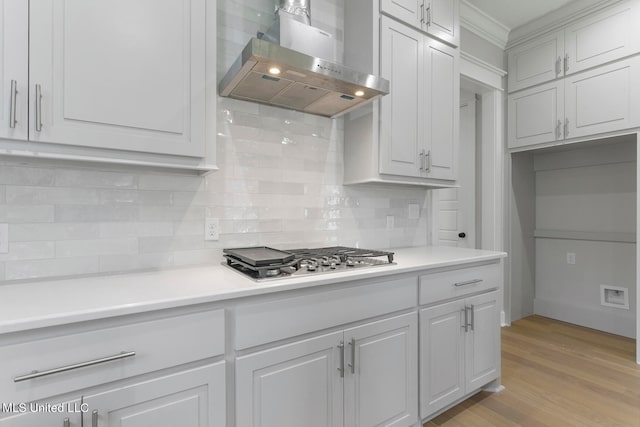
270	321
450	284
158	344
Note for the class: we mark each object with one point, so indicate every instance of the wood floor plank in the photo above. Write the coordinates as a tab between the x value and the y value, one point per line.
557	374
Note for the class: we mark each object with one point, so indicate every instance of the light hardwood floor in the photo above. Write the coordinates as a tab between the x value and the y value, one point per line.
557	374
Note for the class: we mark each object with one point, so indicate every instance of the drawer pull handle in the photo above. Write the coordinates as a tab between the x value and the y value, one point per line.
38	374
94	418
467	283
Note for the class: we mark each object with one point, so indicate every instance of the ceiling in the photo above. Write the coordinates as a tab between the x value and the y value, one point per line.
513	13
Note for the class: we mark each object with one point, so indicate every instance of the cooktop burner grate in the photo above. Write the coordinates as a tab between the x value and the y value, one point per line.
302	261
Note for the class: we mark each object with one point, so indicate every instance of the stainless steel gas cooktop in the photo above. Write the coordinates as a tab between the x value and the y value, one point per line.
262	262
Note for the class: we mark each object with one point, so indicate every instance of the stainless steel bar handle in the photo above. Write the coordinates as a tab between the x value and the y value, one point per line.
38	374
352	365
429	15
66	422
38	107
12	104
558	132
422	160
566	127
94	418
466	320
558	65
428	161
467	283
341	368
473	317
566	63
422	12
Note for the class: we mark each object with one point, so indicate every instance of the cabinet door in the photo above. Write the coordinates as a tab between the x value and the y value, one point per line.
536	115
442	356
442	110
482	345
36	416
194	398
293	385
603	37
381	382
537	61
14	74
442	20
409	11
401	56
120	76
603	99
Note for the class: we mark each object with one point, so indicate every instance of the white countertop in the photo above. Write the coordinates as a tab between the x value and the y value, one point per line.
55	302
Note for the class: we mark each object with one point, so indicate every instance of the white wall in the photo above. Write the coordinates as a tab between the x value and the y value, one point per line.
279	184
592	194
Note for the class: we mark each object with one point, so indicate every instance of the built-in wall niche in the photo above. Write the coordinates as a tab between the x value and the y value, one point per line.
573	229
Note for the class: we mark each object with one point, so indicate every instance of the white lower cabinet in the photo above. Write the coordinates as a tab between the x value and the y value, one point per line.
193	398
460	349
363	376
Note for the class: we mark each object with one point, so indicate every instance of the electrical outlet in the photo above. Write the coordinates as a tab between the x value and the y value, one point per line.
571	258
414	211
212	229
4	238
390	222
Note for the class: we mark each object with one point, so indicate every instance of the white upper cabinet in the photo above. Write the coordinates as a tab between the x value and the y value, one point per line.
592	102
536	62
418	121
443	20
14	72
602	37
112	74
603	99
443	110
536	115
439	18
401	130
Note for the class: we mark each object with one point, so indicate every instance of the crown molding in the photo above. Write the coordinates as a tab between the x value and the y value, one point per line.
483	25
556	19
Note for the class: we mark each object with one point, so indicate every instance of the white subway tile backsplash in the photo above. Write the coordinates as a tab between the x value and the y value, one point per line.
29	250
21	214
135	229
34	269
170	182
95	213
170	244
279	184
53	232
22	175
50	196
94	179
76	248
120	263
171	213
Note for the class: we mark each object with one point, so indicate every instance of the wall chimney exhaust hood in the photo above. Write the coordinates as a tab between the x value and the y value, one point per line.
286	68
